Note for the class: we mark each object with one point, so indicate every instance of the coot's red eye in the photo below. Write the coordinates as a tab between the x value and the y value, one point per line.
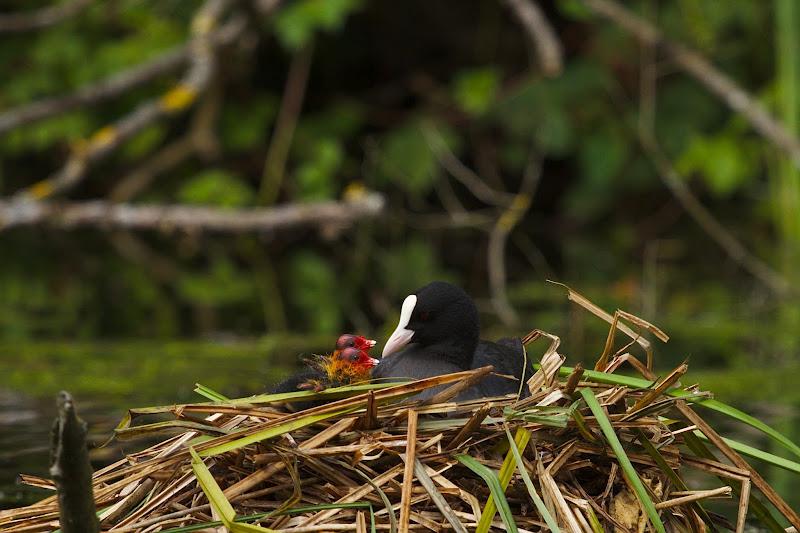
424	315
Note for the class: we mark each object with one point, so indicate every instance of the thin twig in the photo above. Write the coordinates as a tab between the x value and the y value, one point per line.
703	217
199	139
541	34
707	74
408	471
291	105
98	92
469	179
176	100
41	18
498	237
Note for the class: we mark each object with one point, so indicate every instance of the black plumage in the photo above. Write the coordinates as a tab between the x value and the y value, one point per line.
438	334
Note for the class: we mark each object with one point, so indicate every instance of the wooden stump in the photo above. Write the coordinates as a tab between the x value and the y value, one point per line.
71	470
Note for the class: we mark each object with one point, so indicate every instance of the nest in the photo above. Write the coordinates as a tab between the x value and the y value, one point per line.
588	450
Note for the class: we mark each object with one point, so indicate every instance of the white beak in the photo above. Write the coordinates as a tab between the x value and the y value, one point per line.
401	335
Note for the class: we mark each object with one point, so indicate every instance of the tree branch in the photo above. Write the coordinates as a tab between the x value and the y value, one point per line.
715	81
291	104
732	247
176	100
92	94
468	178
498	237
189	218
41	18
540	33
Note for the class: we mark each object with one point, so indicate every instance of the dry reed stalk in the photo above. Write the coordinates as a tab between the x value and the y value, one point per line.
337	466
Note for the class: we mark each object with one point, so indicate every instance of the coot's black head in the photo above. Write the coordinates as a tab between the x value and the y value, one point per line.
438	314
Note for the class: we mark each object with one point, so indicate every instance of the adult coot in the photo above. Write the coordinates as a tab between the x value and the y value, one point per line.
438	333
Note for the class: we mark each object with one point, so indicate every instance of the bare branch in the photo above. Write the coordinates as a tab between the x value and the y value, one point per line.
176	100
41	18
541	34
113	86
448	160
199	139
704	72
498	237
189	218
732	247
291	104
98	92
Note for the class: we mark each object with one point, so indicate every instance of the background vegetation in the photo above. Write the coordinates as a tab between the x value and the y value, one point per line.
612	169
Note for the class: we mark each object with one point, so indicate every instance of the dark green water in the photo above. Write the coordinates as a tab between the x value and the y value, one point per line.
108	378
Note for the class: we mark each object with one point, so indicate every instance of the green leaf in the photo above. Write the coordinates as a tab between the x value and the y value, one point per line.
601	156
314	290
219	503
407	160
574	9
714	405
243	125
517	450
726	162
408	266
209	393
297	22
222	284
474	90
271	432
216	187
497	495
624	461
315	178
750	451
144	141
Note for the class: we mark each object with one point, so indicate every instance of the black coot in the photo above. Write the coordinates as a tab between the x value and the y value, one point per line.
438	333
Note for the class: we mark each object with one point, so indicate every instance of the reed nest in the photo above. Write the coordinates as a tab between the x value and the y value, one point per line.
587	450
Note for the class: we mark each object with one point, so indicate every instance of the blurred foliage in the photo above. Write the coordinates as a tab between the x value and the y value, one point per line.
394	89
391	88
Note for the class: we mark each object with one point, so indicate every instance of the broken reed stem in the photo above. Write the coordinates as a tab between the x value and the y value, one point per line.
770	493
695	496
408	472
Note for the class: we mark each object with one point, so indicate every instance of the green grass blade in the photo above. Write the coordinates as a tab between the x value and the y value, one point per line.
259	516
219	503
594	522
437	498
384	498
211	394
497	494
324	507
750	451
504	476
157	427
714	405
756	506
540	506
653	452
269	433
546	416
624	461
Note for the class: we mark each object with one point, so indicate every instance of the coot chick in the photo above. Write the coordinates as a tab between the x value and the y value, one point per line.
349	363
438	333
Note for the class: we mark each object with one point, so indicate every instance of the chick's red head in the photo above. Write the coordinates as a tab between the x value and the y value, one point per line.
348	340
350	365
